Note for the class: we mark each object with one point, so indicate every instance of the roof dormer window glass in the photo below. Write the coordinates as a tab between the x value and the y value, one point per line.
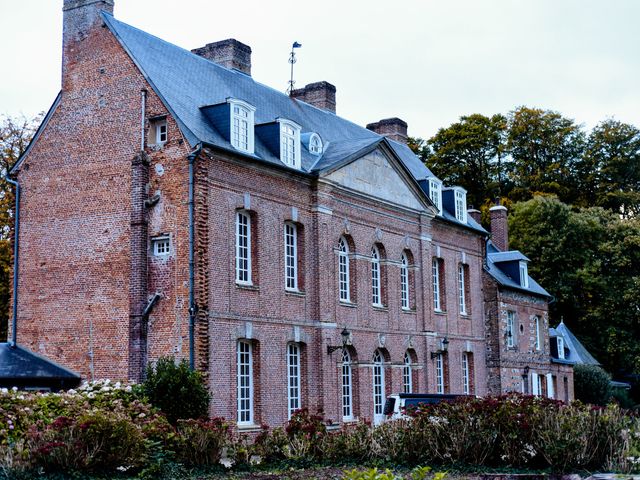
524	275
242	133
315	144
560	341
435	193
461	205
290	143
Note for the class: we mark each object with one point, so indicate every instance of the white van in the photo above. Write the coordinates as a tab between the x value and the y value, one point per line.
396	404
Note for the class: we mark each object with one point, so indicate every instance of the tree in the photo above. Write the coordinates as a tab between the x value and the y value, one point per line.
544	147
592	384
470	153
15	135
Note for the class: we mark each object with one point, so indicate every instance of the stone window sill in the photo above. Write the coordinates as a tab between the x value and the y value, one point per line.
295	293
247	286
348	304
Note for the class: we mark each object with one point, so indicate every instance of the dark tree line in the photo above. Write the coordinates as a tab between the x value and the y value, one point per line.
574	200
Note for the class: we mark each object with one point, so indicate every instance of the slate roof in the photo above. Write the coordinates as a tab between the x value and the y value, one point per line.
21	366
577	352
495	257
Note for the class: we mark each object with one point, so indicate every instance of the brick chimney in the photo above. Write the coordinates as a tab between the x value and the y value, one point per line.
319	94
78	17
229	53
499	228
475	214
393	128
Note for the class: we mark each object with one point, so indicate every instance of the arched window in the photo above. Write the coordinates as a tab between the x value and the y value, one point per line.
242	123
407	375
243	248
376	279
404	282
315	144
293	378
378	386
347	386
245	382
343	270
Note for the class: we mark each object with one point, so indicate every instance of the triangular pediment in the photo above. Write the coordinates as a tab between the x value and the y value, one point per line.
376	175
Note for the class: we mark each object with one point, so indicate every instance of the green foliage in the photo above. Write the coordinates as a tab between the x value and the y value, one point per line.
201	442
176	390
592	384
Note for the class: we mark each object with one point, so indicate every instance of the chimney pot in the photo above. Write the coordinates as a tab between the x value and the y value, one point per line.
393	128
499	227
319	94
229	53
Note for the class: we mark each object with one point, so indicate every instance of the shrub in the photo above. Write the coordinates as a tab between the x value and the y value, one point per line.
592	384
201	442
176	390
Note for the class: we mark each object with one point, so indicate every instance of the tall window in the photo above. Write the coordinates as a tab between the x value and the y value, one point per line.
461	205
440	373
347	384
245	382
290	143
466	373
435	193
435	277
407	374
511	329
524	275
243	248
242	126
375	277
343	270
536	324
462	297
404	282
290	256
293	377
560	342
378	386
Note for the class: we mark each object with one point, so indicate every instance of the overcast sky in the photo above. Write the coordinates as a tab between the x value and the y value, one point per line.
425	61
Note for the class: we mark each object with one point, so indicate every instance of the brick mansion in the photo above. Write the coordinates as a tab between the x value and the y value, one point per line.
170	204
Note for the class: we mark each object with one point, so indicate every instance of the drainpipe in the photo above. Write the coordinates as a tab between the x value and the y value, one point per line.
16	228
193	308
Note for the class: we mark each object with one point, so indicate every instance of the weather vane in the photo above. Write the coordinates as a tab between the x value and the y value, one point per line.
292	60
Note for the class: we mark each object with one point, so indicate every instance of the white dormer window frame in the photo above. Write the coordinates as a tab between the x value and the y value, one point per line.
560	343
435	193
315	144
242	125
524	274
460	200
290	153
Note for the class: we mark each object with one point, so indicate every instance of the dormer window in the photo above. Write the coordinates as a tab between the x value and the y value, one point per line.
435	193
524	275
290	143
158	131
461	205
315	144
560	341
242	122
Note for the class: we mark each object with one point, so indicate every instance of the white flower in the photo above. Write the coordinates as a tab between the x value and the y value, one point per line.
117	385
227	462
15	389
122	468
4	391
127	388
71	391
255	460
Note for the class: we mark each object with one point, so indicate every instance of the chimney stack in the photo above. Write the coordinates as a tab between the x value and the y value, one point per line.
393	128
78	17
499	228
319	94
475	214
229	53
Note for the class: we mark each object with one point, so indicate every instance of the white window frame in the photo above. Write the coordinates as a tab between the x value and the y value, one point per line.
560	344
435	280
290	153
290	256
435	193
315	144
466	379
343	270
245	382
407	374
511	327
242	115
404	282
376	278
160	131
243	247
439	372
462	295
524	274
460	200
294	384
161	245
347	386
538	339
551	393
378	387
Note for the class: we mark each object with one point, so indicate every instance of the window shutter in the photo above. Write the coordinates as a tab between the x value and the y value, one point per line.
550	392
